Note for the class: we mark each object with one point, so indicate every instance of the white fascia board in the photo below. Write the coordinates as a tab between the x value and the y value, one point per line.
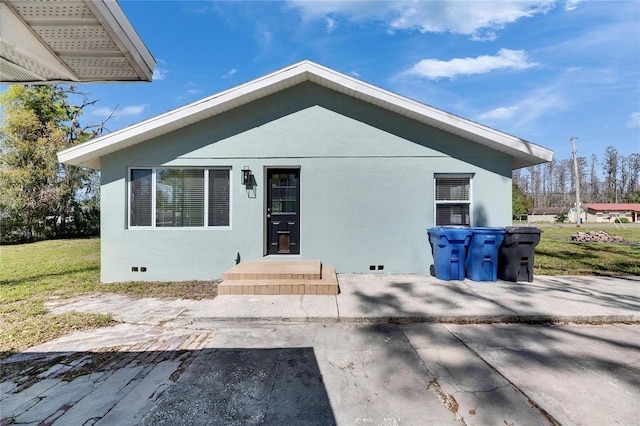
87	154
114	21
452	123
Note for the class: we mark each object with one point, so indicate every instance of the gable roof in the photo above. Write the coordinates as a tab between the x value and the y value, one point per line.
70	41
88	154
549	210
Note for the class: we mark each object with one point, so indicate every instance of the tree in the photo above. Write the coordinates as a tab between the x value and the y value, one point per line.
633	190
535	185
554	184
40	198
594	183
564	182
520	203
561	218
611	169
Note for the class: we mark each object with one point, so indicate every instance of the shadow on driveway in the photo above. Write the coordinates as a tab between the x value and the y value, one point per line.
205	387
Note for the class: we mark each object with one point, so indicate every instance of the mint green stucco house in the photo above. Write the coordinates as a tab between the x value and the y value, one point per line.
303	163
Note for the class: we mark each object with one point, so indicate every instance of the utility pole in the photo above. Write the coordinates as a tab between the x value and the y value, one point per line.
575	167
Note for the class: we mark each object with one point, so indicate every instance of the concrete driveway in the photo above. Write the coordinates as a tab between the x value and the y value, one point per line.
189	362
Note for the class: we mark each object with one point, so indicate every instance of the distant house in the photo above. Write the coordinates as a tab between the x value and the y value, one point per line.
609	212
303	163
546	214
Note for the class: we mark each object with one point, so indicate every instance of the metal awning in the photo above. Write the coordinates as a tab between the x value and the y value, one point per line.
70	41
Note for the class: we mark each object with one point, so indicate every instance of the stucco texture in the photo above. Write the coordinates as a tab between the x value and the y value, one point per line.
366	187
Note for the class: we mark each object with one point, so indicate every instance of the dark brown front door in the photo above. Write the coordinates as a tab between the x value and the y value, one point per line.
283	211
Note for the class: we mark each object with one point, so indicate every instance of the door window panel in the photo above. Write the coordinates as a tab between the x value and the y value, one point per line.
283	193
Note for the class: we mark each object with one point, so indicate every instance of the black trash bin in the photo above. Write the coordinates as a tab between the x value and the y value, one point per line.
516	254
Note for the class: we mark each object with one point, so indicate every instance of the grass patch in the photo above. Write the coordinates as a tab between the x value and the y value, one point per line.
558	255
182	289
20	331
30	274
49	268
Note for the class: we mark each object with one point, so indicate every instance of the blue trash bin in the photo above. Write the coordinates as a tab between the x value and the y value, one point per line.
482	255
449	248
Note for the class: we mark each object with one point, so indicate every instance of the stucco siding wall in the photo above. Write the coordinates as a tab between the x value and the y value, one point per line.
366	179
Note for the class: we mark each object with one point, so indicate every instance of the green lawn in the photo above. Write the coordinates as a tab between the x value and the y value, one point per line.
30	274
558	255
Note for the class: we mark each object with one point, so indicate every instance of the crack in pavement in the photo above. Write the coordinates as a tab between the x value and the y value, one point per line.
447	400
534	404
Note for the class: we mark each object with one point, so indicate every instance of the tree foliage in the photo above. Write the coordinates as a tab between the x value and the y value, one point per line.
520	203
40	198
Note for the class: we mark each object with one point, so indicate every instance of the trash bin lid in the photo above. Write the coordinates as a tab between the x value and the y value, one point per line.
485	230
522	230
451	232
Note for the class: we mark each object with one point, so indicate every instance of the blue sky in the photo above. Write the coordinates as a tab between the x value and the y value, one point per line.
541	70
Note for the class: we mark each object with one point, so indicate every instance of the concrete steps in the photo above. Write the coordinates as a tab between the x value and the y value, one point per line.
279	277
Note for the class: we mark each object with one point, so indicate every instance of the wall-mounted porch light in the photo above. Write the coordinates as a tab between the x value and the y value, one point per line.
246	176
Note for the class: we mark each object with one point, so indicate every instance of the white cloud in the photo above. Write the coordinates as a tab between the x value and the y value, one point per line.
102	111
331	24
536	104
192	91
159	74
480	20
120	112
634	120
572	4
263	36
131	110
230	73
505	59
501	113
189	94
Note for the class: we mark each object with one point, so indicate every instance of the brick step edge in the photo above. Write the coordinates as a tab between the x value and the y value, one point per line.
327	285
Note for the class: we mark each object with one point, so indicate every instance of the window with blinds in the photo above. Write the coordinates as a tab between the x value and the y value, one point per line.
172	197
218	203
179	197
453	200
140	197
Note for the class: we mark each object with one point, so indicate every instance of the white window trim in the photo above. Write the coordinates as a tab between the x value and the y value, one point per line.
153	200
437	176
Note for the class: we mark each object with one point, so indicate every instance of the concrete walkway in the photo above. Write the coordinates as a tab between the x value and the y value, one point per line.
388	350
396	298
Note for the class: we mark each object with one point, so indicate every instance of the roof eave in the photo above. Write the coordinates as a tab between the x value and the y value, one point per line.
31	59
118	26
524	153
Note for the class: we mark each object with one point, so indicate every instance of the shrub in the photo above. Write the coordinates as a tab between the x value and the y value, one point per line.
561	218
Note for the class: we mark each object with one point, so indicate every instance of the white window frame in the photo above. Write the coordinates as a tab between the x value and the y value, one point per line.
436	202
153	198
